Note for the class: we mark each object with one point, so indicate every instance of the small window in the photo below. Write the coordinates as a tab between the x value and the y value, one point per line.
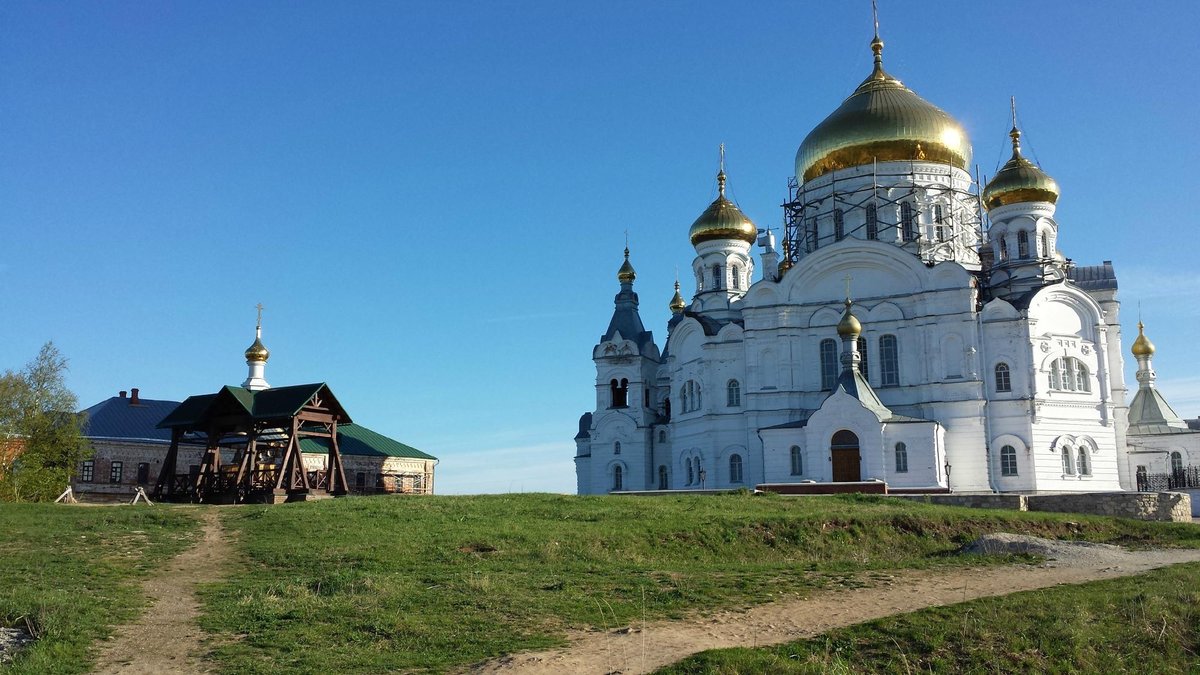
114	472
617	478
617	448
662	477
1085	464
862	352
699	281
716	276
619	393
1003	379
1069	374
797	461
839	225
143	473
1055	375
829	363
88	473
901	458
1082	381
691	476
733	394
1176	463
1068	465
939	221
1022	244
810	239
360	481
1002	245
1008	461
683	398
735	468
735	271
1046	253
889	361
872	222
662	435
908	231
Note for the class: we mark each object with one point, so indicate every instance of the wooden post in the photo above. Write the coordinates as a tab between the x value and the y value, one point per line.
166	475
245	468
337	471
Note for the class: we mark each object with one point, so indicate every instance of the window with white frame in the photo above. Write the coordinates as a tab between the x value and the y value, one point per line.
733	394
797	461
1070	374
690	473
1003	378
1022	244
88	473
901	458
735	468
1046	245
1008	461
114	472
1176	463
862	363
889	361
1068	464
1085	463
718	282
939	222
617	478
689	396
829	363
908	231
735	271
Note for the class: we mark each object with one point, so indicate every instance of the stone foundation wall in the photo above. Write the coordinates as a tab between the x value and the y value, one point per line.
980	501
1165	506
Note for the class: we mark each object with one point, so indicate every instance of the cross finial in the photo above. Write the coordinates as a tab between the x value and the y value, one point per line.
848	279
1015	134
875	17
259	307
721	172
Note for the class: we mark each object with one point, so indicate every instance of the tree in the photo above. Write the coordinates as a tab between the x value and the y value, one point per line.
37	415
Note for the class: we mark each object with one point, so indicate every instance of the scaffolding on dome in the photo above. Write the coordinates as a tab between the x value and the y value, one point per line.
809	223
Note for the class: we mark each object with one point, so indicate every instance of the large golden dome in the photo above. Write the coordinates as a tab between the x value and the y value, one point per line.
722	220
882	120
1019	181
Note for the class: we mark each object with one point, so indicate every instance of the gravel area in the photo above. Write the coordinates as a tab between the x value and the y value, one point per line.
11	641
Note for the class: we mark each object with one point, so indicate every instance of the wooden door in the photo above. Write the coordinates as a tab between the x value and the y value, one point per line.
846	460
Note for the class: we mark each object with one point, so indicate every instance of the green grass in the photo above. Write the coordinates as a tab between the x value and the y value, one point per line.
72	573
1144	624
373	584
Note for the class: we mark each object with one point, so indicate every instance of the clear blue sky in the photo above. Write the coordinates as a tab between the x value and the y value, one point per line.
431	198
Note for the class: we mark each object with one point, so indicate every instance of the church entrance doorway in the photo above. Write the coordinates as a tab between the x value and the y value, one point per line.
846	460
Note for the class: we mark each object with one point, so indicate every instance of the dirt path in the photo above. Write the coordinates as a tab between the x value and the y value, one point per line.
166	639
640	650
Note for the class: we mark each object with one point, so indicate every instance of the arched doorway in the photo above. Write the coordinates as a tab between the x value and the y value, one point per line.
846	460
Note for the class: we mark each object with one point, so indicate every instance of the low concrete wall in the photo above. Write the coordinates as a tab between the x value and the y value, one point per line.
980	501
1166	506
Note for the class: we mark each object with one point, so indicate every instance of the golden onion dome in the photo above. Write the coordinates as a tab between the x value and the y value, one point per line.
257	351
882	120
1019	181
849	326
722	220
677	304
626	275
1142	346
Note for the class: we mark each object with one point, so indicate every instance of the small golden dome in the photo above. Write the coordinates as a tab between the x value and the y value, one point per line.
849	326
626	275
1019	181
1142	346
722	220
882	120
677	304
257	351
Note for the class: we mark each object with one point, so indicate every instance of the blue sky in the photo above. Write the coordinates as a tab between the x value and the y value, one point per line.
431	198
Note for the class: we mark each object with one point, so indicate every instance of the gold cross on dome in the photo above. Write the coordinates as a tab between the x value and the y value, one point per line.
848	279
259	306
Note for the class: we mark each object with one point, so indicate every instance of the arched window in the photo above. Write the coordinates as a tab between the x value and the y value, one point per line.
1003	380
1082	381
908	231
735	468
736	272
662	435
683	398
1070	374
1046	252
901	458
829	363
889	361
617	448
662	477
1002	246
690	475
862	351
699	281
733	394
617	478
1008	461
872	222
797	461
1176	463
696	395
810	239
939	222
1022	244
620	393
1068	466
1055	374
716	275
839	225
1085	466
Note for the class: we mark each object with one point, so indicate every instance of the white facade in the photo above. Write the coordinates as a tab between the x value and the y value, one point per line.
991	363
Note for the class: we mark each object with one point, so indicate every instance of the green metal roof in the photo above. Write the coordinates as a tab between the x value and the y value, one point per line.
354	439
267	404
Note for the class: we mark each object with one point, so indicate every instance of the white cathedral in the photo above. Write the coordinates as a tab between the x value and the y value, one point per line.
966	360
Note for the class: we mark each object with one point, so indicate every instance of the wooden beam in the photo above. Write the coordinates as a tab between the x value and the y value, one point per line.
166	475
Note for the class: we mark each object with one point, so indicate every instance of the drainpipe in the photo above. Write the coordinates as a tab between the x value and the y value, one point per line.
987	419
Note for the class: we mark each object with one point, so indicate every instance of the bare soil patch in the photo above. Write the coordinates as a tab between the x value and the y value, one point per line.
641	649
166	639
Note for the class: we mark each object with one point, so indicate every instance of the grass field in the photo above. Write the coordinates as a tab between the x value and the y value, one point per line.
1143	624
71	573
372	584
